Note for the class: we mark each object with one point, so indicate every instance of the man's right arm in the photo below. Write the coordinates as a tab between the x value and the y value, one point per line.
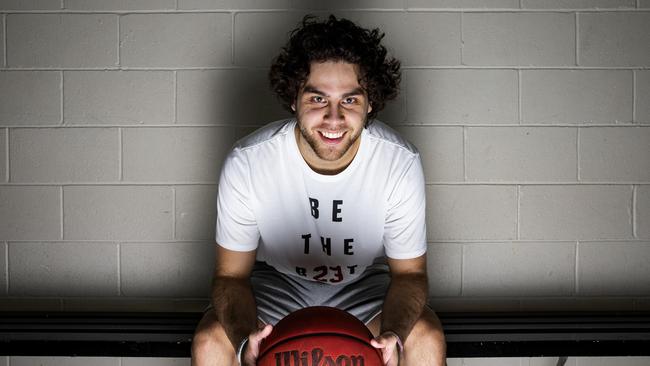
232	296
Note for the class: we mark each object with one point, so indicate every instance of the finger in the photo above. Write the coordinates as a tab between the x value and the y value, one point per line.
378	343
384	340
257	337
266	331
261	333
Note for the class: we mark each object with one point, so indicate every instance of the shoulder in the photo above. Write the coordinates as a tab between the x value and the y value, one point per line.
259	146
267	134
386	137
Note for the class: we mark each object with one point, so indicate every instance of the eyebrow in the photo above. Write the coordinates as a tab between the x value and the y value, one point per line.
311	89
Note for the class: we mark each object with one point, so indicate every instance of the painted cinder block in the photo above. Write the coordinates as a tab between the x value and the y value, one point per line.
526	154
615	154
30	213
117	213
30	98
62	40
176	154
644	4
30	5
575	212
334	5
63	269
614	39
4	174
196	212
463	4
472	304
241	132
461	96
233	4
2	34
549	361
225	97
642	95
614	268
172	269
577	96
176	40
259	36
441	151
151	361
578	4
120	5
471	212
63	361
492	361
118	97
643	211
613	360
523	39
444	262
64	155
394	112
439	35
519	269
130	304
3	269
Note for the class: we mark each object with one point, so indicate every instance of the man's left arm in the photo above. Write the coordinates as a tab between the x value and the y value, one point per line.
406	296
403	307
405	247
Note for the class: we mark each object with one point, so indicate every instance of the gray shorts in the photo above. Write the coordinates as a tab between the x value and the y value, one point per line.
278	294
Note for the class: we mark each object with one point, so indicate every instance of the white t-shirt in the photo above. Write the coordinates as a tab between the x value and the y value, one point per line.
326	228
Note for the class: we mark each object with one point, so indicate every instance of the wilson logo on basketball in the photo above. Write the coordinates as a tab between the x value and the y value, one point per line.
316	358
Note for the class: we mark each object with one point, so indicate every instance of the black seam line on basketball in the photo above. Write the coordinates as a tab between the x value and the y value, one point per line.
285	340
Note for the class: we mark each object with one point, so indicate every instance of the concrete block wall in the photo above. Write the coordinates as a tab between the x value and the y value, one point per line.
532	117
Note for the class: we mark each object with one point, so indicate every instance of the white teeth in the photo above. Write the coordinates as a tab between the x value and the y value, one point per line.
332	135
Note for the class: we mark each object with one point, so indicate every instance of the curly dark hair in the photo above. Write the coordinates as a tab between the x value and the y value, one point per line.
335	40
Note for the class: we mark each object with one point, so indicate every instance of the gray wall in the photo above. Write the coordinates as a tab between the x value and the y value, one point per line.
532	117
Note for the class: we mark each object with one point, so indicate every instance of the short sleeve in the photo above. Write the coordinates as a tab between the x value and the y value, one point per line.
405	227
236	227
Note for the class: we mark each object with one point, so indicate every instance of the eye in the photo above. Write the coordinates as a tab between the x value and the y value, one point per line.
350	100
317	99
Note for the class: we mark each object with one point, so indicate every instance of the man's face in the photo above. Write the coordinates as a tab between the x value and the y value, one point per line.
331	109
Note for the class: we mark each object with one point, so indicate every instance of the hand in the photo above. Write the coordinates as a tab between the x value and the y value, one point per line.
387	343
252	349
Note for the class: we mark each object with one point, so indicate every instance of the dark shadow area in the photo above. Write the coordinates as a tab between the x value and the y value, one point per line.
467	334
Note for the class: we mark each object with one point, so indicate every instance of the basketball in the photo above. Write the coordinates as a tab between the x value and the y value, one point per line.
319	336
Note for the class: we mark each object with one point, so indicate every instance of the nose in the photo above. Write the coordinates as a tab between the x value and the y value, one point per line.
334	113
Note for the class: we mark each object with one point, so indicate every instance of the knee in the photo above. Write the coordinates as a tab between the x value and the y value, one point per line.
428	330
204	342
210	343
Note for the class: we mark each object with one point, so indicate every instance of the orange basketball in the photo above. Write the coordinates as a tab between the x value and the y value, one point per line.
319	336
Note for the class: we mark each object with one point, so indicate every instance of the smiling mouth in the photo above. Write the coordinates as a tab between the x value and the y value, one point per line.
331	138
332	135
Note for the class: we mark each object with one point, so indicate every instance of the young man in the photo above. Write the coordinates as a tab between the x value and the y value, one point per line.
326	208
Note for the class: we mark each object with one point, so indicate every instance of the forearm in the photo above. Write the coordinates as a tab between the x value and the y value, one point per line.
405	300
234	305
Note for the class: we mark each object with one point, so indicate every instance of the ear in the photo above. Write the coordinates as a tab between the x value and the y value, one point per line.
369	108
